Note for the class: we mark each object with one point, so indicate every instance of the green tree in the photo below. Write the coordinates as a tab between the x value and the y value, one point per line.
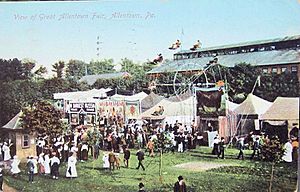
100	67
75	69
42	118
58	68
14	69
15	95
275	85
272	151
53	85
39	73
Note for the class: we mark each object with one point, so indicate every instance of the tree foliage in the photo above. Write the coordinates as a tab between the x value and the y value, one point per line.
272	150
15	95
100	67
42	118
58	68
75	69
14	69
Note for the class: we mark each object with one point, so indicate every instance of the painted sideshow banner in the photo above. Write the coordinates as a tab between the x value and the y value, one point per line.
132	110
112	110
210	101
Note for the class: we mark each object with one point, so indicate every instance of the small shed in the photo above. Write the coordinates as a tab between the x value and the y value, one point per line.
23	143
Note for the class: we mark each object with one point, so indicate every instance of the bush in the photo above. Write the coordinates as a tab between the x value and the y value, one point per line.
272	150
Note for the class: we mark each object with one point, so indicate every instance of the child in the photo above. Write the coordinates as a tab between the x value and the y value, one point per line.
55	167
105	161
15	166
30	167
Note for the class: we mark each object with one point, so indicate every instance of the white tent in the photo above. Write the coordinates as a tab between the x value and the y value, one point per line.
253	105
82	95
137	97
283	108
231	106
183	111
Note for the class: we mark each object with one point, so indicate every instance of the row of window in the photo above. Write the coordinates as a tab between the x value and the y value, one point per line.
294	69
192	55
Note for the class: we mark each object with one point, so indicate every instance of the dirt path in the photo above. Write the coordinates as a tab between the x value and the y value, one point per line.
7	188
200	166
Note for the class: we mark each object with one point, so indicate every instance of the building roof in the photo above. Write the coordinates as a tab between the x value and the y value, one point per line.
283	108
260	58
82	95
253	105
14	123
91	79
245	44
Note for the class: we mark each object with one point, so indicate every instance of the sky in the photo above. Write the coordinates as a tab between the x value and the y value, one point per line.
136	29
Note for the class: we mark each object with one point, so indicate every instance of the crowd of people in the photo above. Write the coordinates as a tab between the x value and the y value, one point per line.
76	144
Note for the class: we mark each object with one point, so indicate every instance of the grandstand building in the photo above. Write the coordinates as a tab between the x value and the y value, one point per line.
271	56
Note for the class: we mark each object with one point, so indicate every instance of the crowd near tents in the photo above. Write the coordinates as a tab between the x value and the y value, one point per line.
253	114
90	108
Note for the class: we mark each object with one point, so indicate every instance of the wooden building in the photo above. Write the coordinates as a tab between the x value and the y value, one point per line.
23	143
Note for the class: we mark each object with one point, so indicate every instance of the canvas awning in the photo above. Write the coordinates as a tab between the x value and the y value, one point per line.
283	108
181	108
253	105
82	95
149	101
137	97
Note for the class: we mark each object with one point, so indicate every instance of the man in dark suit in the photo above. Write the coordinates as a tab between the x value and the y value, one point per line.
126	156
140	156
180	185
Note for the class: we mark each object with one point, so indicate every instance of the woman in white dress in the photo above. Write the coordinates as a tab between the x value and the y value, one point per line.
47	164
15	166
71	169
41	163
35	163
287	156
6	151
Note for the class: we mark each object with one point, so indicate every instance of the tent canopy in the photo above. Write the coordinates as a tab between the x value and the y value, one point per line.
151	100
181	108
82	95
231	106
283	108
253	105
137	97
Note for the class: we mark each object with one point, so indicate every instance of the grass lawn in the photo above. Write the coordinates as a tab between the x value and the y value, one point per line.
237	175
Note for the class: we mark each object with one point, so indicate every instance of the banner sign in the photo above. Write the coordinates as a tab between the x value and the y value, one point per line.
87	107
132	110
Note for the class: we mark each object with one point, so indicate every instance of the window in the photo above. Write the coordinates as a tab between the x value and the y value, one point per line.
265	70
294	69
283	69
26	141
274	70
